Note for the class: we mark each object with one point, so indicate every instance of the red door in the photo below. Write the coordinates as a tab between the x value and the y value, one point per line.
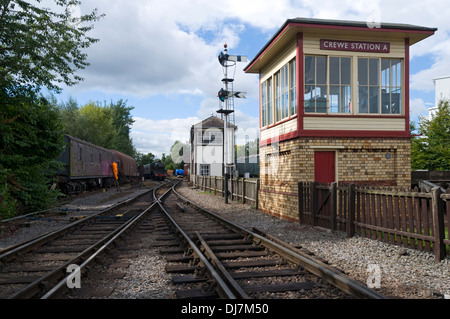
324	167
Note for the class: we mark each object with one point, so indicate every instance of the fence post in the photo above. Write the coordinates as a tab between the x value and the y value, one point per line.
300	202
351	211
243	190
437	212
333	206
314	202
257	194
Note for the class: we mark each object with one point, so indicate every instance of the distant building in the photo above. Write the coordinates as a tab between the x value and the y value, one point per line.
441	92
248	166
206	140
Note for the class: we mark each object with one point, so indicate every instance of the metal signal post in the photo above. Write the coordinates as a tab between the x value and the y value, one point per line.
225	95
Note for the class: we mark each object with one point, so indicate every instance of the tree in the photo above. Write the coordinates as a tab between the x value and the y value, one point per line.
104	125
431	150
97	125
70	117
122	122
142	159
40	47
30	142
168	163
175	159
249	148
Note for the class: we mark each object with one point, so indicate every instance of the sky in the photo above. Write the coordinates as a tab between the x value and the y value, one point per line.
161	56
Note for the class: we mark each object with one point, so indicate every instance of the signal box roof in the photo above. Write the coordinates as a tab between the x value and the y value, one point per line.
289	30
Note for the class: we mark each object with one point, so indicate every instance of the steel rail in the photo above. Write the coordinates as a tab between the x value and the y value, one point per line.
62	284
10	252
35	287
372	294
44	281
224	290
340	281
224	274
24	216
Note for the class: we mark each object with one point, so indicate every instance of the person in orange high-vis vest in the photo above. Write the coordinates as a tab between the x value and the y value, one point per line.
116	175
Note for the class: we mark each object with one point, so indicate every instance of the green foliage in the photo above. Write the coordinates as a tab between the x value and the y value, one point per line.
41	47
250	148
30	140
168	161
122	122
143	159
7	201
108	126
97	125
431	150
70	117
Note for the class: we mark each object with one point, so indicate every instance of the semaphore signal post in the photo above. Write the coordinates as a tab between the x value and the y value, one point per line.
226	96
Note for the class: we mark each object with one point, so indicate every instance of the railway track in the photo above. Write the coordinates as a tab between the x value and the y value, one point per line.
44	266
207	256
211	257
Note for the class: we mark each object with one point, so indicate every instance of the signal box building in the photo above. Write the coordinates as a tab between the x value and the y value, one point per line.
207	142
334	107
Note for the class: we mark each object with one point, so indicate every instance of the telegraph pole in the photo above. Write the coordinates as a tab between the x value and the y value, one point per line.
224	95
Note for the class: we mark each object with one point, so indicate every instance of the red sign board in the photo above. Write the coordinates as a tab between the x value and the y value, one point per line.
358	46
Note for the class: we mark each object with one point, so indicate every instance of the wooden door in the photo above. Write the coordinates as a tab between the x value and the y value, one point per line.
324	167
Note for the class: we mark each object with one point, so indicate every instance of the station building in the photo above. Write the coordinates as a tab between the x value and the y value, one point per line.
334	107
441	92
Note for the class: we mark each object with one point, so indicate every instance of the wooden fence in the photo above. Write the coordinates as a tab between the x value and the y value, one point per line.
414	219
241	189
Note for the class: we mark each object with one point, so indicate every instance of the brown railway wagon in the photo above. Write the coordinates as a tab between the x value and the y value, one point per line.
126	165
87	165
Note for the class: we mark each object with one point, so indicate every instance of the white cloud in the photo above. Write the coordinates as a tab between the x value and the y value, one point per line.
423	80
157	136
170	48
417	108
156	47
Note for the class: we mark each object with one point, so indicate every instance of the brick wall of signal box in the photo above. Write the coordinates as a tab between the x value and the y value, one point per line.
377	161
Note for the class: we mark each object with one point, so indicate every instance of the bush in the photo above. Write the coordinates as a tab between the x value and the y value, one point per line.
30	141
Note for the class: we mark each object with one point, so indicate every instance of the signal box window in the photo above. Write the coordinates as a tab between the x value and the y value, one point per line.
279	96
327	84
379	86
205	169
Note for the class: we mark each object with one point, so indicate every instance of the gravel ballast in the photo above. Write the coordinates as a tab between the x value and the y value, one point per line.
404	273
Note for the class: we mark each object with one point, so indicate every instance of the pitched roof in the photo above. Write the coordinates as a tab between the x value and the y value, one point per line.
213	121
292	26
210	122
